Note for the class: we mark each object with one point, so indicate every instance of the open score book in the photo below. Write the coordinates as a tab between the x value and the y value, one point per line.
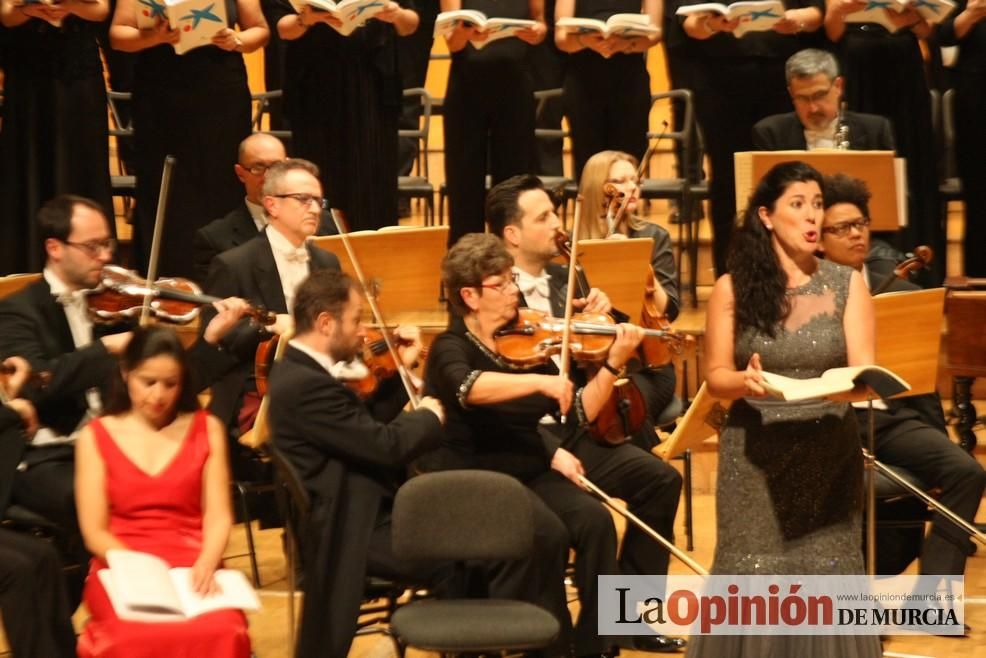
142	587
835	381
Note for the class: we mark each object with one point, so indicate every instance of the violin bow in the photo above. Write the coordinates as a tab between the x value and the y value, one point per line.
566	335
162	206
377	315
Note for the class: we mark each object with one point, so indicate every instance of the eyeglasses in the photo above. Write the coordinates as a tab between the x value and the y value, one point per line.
93	248
818	96
260	168
304	199
842	229
504	285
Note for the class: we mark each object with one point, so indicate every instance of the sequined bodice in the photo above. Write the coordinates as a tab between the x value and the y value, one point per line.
810	340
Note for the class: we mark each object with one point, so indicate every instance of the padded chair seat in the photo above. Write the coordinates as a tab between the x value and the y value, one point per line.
474	625
951	189
419	184
661	188
123	182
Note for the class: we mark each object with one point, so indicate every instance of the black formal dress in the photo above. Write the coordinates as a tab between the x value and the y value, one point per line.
737	82
53	138
195	107
970	135
911	433
488	118
351	462
249	272
785	132
884	75
607	101
343	98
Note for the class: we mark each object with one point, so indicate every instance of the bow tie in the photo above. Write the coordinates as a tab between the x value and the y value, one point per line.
71	297
349	370
534	284
299	255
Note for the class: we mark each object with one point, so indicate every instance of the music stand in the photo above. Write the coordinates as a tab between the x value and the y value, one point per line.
406	266
619	268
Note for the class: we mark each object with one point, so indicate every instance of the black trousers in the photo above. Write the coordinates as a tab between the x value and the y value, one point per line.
488	117
970	144
731	95
36	614
607	102
902	439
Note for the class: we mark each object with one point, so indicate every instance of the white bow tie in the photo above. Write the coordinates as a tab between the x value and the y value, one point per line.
534	284
299	255
71	297
349	370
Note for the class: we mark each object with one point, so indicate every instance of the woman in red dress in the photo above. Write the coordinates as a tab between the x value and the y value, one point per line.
151	476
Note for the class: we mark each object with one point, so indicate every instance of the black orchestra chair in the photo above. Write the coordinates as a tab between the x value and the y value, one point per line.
465	516
419	186
123	183
950	185
263	103
900	522
565	189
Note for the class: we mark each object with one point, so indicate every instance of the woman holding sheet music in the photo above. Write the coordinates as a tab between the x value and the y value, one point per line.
790	475
342	95
194	106
151	476
489	109
54	137
607	87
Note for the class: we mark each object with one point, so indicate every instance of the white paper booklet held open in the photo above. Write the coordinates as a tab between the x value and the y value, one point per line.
352	13
494	28
142	587
621	25
875	11
753	15
197	21
834	381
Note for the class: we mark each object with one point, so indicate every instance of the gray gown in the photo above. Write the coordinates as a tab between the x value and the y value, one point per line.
789	490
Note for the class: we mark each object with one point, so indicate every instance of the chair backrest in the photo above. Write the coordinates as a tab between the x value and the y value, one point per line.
681	142
291	492
14	283
542	99
463	515
424	126
262	105
120	127
948	134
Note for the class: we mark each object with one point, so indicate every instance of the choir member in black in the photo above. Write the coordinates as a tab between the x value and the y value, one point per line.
349	454
737	82
53	138
885	75
910	431
966	29
489	109
195	107
36	617
343	99
607	87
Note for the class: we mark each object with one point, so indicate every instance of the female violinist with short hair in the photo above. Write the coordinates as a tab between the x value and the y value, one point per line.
494	414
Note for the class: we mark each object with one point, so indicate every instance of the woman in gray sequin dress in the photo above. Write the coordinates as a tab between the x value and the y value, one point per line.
790	473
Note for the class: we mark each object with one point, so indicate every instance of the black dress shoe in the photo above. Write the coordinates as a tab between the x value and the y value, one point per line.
658	643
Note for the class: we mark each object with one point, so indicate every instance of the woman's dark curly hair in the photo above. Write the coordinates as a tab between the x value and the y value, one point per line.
759	284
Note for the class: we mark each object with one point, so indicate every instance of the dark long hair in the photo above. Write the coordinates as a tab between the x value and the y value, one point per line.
148	343
759	284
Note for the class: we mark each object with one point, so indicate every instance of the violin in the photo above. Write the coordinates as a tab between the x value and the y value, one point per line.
121	294
379	362
922	257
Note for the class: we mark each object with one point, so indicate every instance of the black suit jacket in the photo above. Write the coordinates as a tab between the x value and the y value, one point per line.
249	271
236	228
351	464
784	132
33	325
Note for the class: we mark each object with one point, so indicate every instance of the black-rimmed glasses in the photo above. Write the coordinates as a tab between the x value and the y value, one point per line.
93	248
842	229
304	199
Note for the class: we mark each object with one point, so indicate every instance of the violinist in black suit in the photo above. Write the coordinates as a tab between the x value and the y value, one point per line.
247	220
266	272
910	432
815	86
351	457
48	324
